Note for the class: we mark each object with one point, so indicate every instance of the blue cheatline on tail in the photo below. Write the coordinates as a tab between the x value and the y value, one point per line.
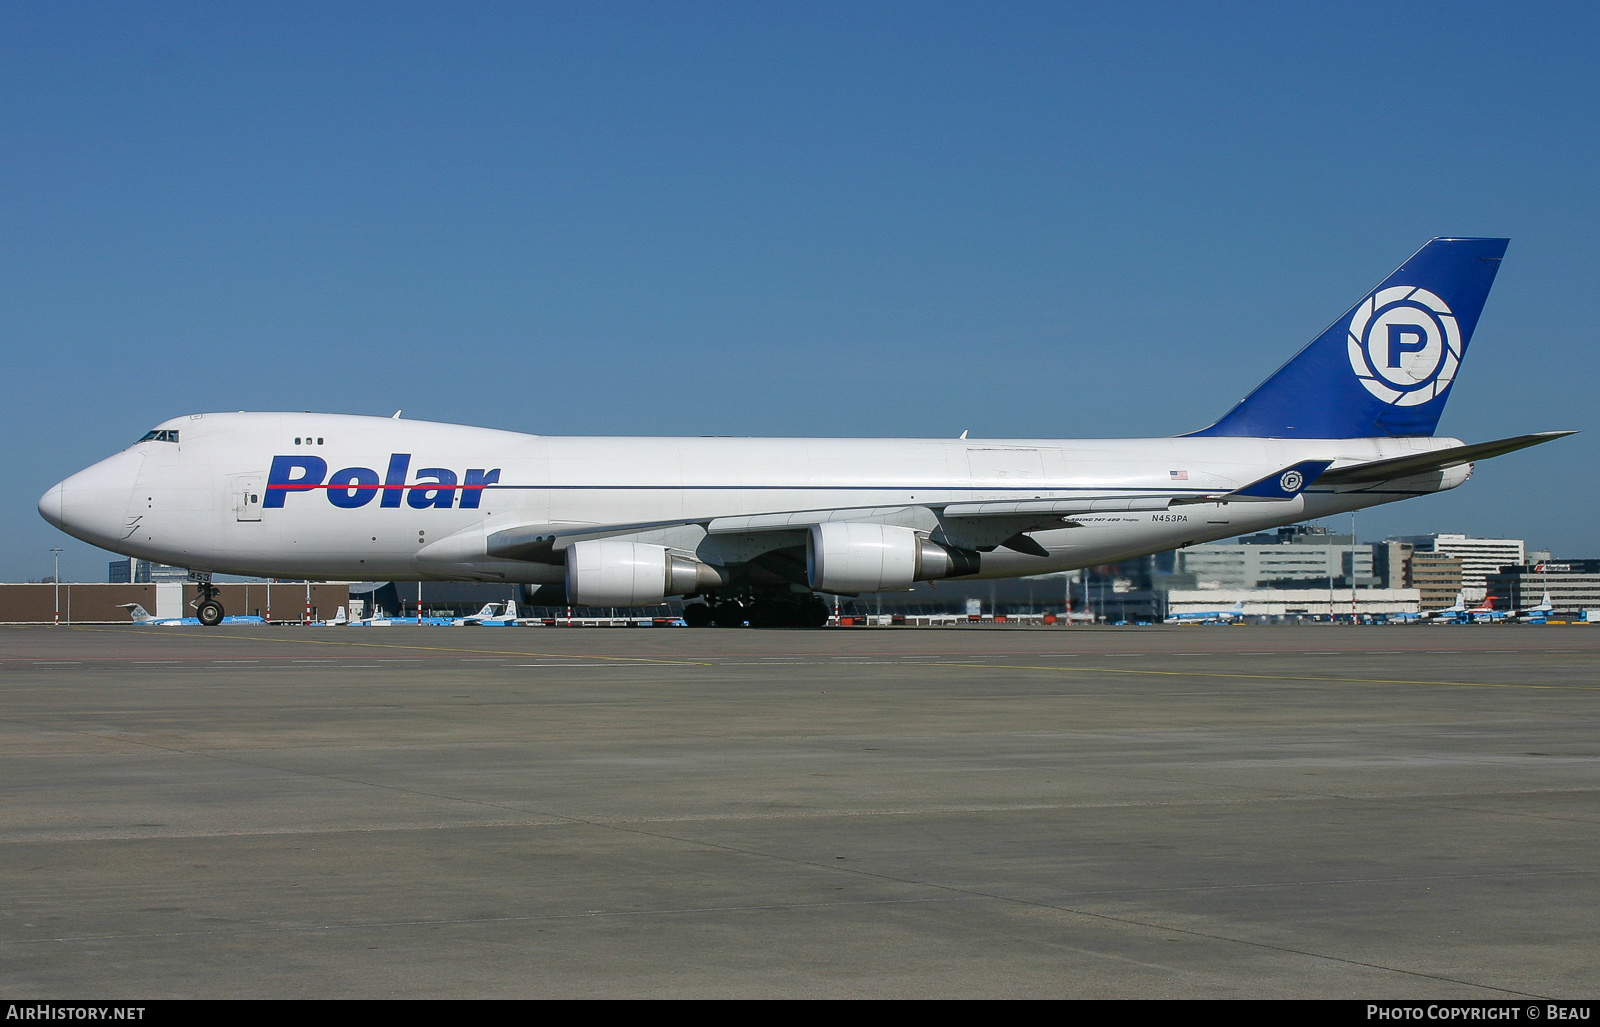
1385	368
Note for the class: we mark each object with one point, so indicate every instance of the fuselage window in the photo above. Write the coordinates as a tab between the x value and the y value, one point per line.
297	440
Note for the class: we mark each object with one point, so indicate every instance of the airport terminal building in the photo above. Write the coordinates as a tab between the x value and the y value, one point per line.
1573	585
1296	603
1480	557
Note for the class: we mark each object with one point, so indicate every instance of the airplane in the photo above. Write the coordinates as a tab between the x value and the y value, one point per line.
493	615
381	619
1535	614
340	619
143	617
1485	613
759	530
1450	613
1234	612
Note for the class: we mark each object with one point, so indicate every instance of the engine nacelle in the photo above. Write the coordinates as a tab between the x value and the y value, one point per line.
613	572
857	556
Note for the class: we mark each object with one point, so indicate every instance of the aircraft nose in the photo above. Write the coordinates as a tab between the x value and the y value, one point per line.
93	504
50	504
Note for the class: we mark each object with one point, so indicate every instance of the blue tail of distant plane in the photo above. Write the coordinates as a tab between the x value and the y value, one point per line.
1385	368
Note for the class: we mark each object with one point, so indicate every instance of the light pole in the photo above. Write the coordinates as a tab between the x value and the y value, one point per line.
55	578
1354	611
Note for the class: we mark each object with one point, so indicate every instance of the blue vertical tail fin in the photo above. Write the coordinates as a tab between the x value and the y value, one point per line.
1385	368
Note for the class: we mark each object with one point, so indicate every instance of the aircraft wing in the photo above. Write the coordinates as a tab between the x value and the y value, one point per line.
979	525
1421	463
543	543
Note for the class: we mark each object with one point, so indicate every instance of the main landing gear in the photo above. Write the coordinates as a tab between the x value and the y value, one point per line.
760	610
207	609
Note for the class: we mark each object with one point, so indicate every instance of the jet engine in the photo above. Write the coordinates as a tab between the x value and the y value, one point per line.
613	572
856	556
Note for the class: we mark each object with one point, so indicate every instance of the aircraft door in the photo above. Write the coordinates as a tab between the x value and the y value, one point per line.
247	493
1005	467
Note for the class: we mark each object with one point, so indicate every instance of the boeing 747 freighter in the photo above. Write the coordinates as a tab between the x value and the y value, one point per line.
758	528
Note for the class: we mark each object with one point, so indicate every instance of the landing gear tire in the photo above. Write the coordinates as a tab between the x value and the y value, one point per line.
770	614
697	615
728	615
209	613
814	614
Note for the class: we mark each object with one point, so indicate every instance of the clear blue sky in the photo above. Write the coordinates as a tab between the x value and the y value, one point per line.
1026	220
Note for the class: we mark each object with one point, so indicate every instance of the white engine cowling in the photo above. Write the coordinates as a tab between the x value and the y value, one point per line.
856	556
612	572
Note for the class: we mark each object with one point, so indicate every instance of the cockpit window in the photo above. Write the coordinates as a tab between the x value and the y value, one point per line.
160	435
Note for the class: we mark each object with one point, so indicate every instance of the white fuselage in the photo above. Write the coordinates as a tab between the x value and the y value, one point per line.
202	502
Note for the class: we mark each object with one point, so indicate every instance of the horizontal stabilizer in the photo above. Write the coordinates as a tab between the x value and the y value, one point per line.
1422	463
1281	485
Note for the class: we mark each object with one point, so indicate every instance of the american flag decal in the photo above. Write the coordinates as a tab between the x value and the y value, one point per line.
1179	475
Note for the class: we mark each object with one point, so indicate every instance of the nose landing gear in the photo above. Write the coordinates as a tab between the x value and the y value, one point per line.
207	609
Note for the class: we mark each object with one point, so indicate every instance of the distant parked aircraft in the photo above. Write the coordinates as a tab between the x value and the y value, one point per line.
1536	614
493	615
143	617
1233	612
1449	613
1485	613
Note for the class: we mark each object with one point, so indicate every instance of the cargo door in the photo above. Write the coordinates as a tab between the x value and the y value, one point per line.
1006	467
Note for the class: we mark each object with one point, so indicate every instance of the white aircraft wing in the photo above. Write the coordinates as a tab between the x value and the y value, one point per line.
981	526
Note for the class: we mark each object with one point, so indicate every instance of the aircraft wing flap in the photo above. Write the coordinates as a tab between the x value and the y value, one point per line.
1278	487
1058	507
929	516
1421	463
544	543
800	520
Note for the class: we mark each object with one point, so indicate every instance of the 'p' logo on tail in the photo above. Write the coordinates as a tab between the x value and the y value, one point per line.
1405	345
1385	368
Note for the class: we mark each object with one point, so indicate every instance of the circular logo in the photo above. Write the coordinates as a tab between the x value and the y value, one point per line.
1405	345
1291	481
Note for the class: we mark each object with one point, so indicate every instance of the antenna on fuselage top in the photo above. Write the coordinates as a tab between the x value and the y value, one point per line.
395	416
964	433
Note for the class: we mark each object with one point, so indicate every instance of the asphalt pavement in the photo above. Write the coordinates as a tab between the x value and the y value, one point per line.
1233	812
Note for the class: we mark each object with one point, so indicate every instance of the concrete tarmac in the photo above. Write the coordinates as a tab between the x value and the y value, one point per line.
968	812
